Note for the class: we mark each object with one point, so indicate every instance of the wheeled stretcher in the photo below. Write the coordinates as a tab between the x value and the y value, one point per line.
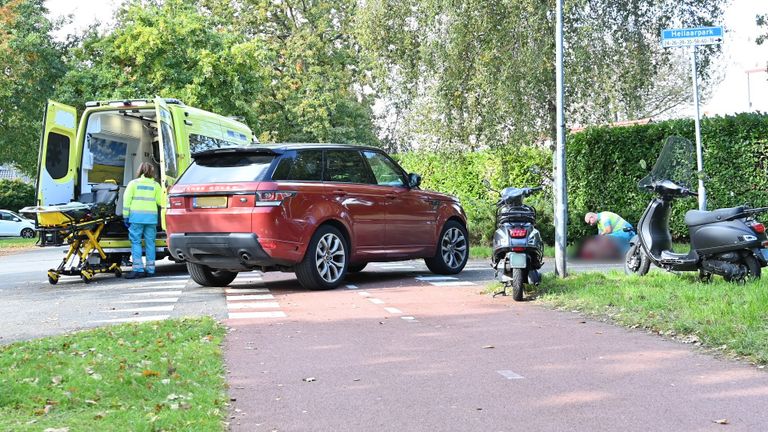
80	225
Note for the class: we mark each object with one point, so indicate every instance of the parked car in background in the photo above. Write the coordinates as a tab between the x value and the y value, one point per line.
11	224
319	210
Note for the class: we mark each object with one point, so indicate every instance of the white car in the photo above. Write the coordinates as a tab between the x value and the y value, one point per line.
11	224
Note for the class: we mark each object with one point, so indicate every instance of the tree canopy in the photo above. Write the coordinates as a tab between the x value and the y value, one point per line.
31	62
474	73
456	74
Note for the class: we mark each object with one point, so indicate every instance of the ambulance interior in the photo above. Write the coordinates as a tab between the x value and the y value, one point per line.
116	143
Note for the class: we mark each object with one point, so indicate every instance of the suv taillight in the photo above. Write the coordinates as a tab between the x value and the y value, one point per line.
758	227
272	198
518	232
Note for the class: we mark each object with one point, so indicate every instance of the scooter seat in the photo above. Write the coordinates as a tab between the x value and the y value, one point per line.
698	217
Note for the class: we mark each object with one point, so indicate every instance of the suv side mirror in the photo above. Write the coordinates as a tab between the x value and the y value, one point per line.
414	180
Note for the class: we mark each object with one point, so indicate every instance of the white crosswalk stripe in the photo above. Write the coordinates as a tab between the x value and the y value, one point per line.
453	283
245	290
242	302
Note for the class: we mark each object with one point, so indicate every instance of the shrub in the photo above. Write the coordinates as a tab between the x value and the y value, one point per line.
461	174
604	165
15	194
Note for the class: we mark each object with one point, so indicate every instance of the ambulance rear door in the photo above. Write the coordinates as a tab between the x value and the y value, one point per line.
58	163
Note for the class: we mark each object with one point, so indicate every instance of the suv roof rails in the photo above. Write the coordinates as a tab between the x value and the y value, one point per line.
130	102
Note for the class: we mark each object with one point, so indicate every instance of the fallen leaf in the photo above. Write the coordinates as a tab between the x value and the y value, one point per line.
150	372
721	421
56	380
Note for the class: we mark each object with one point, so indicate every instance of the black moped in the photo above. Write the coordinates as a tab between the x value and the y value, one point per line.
518	251
728	242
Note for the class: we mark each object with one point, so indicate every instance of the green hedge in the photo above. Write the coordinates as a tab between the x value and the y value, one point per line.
15	194
605	164
461	174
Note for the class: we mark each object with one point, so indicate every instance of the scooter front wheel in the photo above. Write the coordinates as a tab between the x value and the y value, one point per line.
636	262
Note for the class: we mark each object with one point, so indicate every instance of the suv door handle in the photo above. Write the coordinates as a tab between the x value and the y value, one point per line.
391	196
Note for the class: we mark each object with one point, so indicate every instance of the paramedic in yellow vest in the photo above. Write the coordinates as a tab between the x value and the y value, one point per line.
612	225
141	201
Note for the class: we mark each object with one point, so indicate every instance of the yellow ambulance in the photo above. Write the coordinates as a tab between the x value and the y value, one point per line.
110	141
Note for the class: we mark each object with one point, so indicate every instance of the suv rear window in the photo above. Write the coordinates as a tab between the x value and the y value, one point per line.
303	165
230	168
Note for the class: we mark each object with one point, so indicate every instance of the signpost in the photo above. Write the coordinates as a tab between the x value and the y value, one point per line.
692	37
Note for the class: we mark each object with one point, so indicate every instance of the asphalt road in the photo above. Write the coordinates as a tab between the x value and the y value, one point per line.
398	348
30	307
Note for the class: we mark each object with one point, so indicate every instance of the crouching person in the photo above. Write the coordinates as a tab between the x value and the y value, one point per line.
141	201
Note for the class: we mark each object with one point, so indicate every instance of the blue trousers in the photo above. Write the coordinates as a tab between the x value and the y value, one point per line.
622	239
136	232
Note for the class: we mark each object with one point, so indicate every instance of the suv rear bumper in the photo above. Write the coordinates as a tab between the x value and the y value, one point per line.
232	251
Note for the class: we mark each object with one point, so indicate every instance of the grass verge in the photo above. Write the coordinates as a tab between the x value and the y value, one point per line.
7	243
165	375
723	316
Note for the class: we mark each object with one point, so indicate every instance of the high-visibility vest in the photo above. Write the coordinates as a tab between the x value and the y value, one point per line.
607	219
142	198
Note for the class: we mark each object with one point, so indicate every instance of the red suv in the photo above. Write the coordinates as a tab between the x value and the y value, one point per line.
318	210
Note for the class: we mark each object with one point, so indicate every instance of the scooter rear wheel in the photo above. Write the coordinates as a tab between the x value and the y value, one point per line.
517	284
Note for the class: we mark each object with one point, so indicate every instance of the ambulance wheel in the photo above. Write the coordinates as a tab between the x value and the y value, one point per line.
86	276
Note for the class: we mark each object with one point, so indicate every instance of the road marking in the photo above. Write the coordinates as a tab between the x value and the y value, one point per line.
392	310
352	287
364	294
435	278
408	318
146	309
157	286
250	297
508	374
134	319
155	293
153	300
252	305
245	290
376	301
271	314
452	283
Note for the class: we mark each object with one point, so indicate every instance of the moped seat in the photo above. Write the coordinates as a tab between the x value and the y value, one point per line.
698	217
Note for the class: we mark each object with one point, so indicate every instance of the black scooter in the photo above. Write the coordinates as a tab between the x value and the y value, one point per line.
728	242
518	251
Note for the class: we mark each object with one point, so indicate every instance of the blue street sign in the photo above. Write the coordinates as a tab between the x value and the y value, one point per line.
691	36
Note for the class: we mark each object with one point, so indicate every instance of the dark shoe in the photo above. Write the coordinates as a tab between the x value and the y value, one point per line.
135	275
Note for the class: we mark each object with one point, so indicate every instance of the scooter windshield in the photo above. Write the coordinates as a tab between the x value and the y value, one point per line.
676	163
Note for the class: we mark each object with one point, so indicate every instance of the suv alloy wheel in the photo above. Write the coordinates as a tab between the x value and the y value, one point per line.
452	250
325	263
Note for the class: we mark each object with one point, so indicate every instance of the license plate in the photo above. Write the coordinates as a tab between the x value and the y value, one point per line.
209	202
517	260
765	254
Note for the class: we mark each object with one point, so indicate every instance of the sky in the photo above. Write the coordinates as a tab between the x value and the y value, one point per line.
731	95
